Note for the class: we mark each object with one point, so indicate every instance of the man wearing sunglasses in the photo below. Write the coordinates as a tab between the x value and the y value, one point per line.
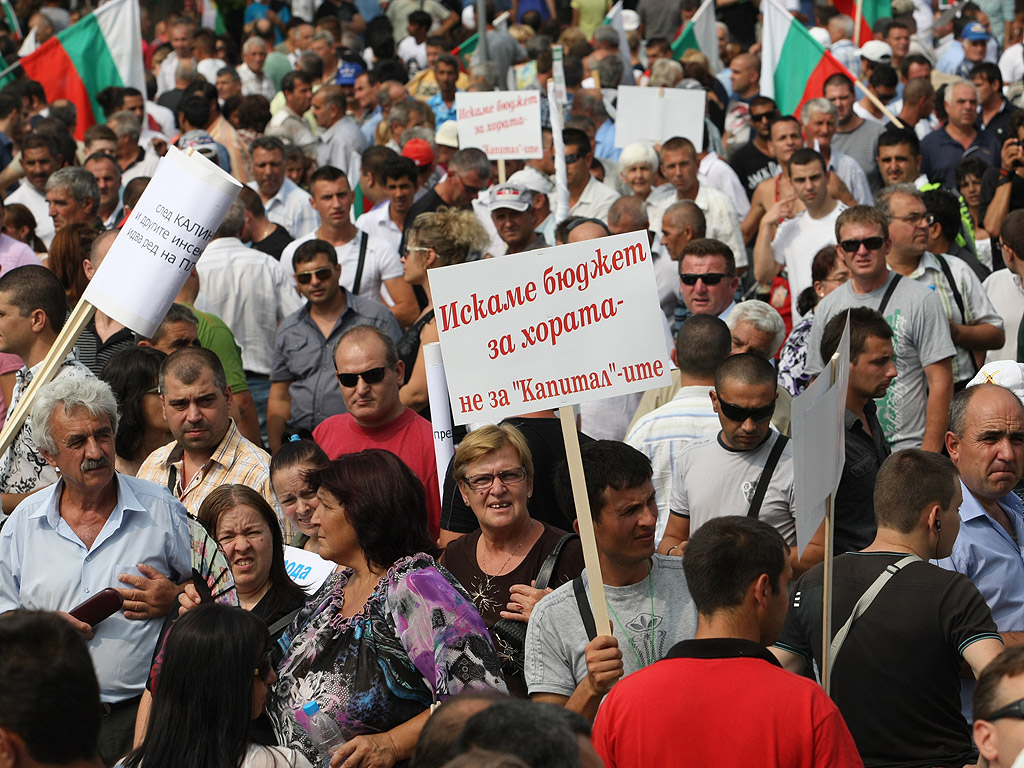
369	374
588	197
469	173
999	709
732	473
914	411
753	162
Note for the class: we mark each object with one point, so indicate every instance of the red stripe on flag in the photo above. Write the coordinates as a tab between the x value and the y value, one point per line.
50	65
849	7
827	67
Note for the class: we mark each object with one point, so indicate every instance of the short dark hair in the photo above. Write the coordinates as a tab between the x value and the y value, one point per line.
747	368
289	79
1009	663
552	744
779	119
384	503
187	365
864	324
838	79
133	191
42	141
327	173
269	144
709	246
909	60
763	101
442	729
883	74
574	137
679	144
9	103
945	207
725	555
702	343
48	678
251	200
374	158
33	287
892	137
310	249
989	71
806	156
196	110
399	168
606	464
907	482
420	19
1012	232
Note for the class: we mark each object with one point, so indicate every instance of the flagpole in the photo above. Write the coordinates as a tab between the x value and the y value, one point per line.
856	22
10	69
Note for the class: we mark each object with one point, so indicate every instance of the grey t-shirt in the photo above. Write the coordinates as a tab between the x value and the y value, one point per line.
711	480
861	144
556	637
922	338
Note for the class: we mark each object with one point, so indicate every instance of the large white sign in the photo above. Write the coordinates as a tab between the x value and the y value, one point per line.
307	569
162	240
655	115
504	124
551	327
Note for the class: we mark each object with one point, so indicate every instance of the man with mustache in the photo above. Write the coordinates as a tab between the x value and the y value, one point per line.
93	530
208	450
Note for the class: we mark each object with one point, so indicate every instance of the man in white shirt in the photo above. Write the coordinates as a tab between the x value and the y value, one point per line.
367	260
1004	286
180	35
341	136
255	81
387	221
284	201
288	122
588	197
107	173
39	159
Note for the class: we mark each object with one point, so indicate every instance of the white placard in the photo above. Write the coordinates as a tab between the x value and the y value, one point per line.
163	238
819	443
654	115
550	327
504	124
440	412
307	569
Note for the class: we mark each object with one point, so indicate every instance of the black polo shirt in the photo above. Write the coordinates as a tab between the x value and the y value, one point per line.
854	502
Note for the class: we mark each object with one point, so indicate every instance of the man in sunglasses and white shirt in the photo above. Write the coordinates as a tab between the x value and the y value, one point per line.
369	374
303	388
914	411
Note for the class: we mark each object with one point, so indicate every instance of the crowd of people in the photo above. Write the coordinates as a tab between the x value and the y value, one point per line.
163	500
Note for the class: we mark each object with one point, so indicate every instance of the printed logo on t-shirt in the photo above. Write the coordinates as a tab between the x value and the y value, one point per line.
648	640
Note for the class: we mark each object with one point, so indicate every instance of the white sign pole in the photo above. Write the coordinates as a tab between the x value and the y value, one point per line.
561	210
440	411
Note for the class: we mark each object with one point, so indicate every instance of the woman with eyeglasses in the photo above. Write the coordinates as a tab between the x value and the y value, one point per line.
390	633
134	374
211	688
446	236
499	562
828	272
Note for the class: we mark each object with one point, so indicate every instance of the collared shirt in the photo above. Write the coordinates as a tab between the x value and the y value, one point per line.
113	221
941	154
847	53
369	125
849	170
44	565
35	200
723	222
253	84
14	253
442	112
1007	296
305	359
546	228
662	434
604	141
854	503
225	134
338	143
251	292
235	460
94	352
714	171
291	126
22	468
378	223
594	201
291	209
977	306
144	164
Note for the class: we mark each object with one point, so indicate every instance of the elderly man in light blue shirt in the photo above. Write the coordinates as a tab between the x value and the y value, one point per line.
96	529
986	442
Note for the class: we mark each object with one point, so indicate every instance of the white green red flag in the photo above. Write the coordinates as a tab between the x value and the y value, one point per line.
702	34
794	66
100	50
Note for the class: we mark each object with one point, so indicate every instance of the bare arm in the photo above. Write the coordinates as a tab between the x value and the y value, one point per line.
414	391
758	206
7	382
279	410
980	653
142	718
449	24
447	537
604	668
792	662
677	531
977	337
940	392
246	418
381	750
11	500
814	552
765	265
406	308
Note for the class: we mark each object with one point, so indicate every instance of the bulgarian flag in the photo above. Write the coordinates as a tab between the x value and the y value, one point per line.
465	51
870	12
12	19
701	34
100	50
794	66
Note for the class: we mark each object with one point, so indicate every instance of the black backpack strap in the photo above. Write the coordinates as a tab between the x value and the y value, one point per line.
548	567
888	293
584	605
959	300
363	239
766	476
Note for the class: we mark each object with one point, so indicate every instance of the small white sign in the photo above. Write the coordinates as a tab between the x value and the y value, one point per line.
162	240
504	124
655	115
550	327
307	569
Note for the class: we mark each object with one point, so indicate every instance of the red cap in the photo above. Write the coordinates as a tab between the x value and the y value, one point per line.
419	151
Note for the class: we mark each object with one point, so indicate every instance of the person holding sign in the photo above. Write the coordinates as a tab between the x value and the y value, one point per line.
906	646
567	662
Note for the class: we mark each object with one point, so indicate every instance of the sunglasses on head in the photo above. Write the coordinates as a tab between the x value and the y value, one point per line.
871	243
709	278
372	376
322	274
739	414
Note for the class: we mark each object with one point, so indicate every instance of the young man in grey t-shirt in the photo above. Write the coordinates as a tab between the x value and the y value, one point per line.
650	606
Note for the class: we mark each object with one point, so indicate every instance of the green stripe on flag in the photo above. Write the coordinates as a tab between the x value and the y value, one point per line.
687	39
87	48
801	53
10	77
465	51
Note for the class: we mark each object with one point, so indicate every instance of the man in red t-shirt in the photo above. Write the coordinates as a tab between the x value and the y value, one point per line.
370	373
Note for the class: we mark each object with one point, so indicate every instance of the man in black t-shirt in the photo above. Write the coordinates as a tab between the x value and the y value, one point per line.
754	162
896	678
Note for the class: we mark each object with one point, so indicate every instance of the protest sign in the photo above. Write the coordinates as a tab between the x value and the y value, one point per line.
661	113
550	327
163	238
440	411
307	569
503	124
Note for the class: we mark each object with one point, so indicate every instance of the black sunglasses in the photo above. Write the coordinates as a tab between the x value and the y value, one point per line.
736	413
1015	710
371	376
871	243
763	116
570	159
709	278
322	274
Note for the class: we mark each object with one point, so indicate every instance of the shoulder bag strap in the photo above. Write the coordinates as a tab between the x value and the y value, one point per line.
862	605
363	238
548	567
959	300
766	476
586	612
888	293
283	622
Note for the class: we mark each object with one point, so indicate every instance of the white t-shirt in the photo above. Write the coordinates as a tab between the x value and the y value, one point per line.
712	480
796	242
1004	290
382	263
